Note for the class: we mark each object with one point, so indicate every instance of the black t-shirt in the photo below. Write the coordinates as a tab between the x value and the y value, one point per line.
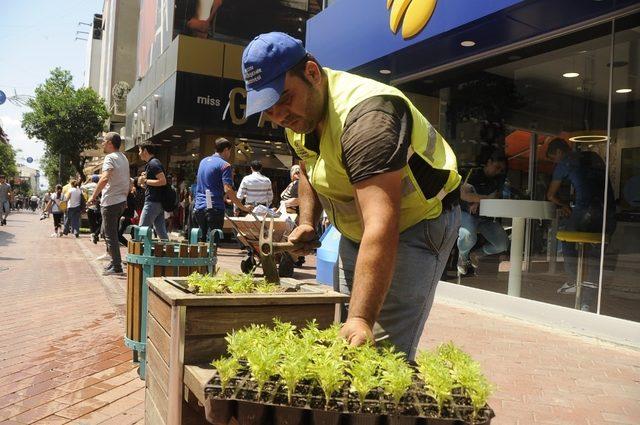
153	168
482	184
376	139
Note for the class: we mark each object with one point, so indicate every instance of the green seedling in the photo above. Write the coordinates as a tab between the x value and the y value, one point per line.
240	283
363	370
437	378
397	375
328	368
474	384
262	361
240	343
227	368
293	365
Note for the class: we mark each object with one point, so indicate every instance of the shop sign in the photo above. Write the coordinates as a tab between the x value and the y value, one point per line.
414	15
215	104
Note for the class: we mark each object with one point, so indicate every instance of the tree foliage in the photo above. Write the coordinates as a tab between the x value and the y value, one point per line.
66	119
8	166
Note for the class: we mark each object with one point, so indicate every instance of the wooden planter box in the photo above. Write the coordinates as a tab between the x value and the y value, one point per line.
186	329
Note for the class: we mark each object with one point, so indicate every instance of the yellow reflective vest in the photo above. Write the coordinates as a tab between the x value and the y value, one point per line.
327	173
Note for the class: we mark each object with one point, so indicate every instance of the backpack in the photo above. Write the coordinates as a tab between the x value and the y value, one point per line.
170	199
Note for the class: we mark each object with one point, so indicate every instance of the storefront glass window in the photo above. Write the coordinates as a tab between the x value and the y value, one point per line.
532	125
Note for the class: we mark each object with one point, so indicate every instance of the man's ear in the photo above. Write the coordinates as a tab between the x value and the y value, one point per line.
313	73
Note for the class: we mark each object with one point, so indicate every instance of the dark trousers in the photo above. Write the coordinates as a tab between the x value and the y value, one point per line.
124	222
95	221
208	220
110	220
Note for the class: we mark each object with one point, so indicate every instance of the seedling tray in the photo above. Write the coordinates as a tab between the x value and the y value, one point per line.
240	401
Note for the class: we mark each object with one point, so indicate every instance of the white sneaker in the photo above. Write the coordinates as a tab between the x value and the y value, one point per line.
54	235
567	288
103	257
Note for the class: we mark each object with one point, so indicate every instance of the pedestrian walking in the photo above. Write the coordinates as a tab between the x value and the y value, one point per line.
57	205
93	211
5	200
114	187
214	182
386	178
74	207
154	180
255	189
127	216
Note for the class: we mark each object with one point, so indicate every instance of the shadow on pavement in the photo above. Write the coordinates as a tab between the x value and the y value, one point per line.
5	238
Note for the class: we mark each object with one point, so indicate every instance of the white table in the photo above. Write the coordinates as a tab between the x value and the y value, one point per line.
518	211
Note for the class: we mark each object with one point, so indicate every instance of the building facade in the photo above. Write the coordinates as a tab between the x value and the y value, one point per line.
510	76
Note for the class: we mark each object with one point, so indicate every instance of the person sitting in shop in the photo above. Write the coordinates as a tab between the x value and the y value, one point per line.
585	171
480	183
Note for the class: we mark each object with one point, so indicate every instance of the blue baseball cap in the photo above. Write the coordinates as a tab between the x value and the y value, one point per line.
265	61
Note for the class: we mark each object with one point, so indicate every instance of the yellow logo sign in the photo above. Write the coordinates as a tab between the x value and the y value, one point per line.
414	15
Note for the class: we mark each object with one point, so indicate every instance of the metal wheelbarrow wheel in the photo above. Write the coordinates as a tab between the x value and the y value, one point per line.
286	265
248	265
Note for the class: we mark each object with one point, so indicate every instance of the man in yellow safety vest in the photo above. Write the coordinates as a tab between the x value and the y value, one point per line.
385	177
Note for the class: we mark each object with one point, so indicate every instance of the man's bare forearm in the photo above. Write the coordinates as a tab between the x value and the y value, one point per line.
373	272
309	204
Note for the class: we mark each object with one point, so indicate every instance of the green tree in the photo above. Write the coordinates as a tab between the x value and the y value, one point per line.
8	166
66	119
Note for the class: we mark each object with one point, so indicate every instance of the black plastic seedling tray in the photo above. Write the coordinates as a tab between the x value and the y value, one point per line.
308	408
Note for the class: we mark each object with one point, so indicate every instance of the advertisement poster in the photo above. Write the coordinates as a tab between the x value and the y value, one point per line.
241	19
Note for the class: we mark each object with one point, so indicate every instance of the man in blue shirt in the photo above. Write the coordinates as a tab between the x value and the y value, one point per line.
585	171
213	183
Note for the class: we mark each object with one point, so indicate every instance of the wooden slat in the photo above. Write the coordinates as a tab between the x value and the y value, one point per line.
169	251
136	299
184	253
158	251
160	368
192	414
159	337
154	392
193	253
221	320
160	310
202	253
203	349
151	413
196	377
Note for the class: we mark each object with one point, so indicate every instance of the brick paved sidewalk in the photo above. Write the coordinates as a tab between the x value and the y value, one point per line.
63	359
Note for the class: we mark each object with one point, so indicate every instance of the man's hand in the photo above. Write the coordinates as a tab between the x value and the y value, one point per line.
356	331
473	207
565	211
91	202
301	234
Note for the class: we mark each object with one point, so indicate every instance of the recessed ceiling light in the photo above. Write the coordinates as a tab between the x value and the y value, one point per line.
589	138
188	130
468	43
193	155
267	142
385	71
166	140
242	138
570	75
265	150
177	136
623	91
239	151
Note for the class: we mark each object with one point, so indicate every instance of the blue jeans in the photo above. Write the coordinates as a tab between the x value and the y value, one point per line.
471	225
72	221
4	209
153	215
423	251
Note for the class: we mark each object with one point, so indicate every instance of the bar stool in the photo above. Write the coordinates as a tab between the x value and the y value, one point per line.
580	238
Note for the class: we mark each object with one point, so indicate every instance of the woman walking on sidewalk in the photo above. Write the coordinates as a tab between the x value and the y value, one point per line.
74	200
56	210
